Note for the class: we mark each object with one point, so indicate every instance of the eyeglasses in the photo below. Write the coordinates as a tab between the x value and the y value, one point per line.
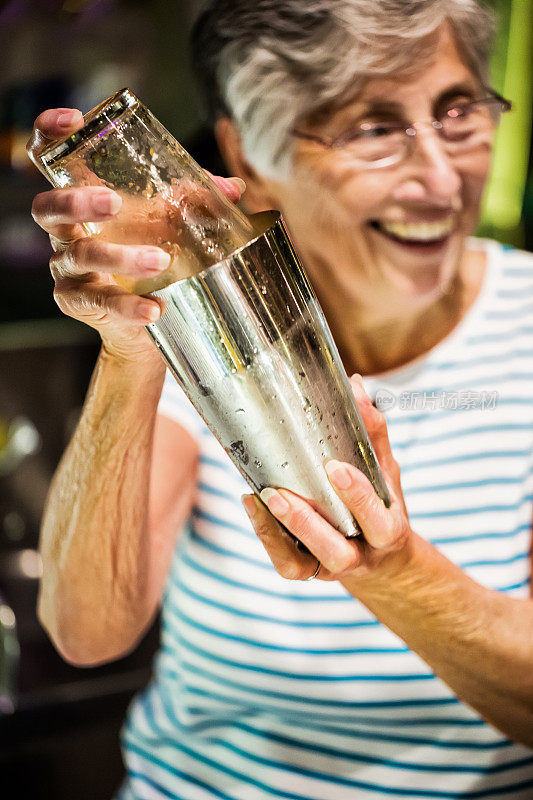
461	128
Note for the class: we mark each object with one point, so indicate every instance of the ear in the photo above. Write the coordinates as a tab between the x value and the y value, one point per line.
258	195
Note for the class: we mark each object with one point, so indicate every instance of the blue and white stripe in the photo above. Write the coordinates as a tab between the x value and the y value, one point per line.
266	688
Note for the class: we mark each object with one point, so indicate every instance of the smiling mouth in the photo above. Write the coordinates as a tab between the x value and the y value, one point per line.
417	233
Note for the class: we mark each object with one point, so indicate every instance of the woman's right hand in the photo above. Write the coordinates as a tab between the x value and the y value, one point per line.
83	266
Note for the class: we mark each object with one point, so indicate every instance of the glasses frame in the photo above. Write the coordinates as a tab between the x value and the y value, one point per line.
410	130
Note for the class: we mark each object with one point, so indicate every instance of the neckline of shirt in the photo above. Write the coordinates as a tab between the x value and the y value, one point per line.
459	332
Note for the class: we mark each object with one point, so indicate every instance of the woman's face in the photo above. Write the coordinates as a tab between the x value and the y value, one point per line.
399	230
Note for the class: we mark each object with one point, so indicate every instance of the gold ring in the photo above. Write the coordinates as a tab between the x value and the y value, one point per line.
315	573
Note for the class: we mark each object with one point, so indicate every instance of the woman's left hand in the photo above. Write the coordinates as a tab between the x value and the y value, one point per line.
387	532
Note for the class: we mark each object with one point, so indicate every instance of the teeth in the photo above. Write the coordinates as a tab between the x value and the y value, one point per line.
420	231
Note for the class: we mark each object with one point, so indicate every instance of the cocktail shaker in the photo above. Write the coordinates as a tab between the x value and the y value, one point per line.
242	330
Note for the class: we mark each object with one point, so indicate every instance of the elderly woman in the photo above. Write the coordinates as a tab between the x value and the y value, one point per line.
405	669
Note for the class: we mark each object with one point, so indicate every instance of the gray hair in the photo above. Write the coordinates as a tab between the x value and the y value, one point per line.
271	63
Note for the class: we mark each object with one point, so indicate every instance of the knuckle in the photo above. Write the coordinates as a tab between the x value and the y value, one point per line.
58	245
95	310
354	562
394	533
82	253
349	565
400	532
73	204
340	560
76	249
82	304
97	301
362	500
336	565
59	299
55	262
62	303
58	265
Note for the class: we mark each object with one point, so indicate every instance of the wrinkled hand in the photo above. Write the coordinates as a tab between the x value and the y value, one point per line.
387	532
83	266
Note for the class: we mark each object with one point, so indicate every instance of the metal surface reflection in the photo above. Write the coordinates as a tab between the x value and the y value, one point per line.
247	341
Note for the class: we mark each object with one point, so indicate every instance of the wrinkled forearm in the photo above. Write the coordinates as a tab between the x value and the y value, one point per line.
478	641
94	598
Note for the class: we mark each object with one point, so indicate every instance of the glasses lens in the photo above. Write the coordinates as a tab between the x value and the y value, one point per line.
465	124
376	142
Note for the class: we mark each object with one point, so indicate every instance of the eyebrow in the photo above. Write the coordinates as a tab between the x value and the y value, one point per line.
392	107
458	89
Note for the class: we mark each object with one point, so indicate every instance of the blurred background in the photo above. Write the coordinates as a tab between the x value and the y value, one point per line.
59	725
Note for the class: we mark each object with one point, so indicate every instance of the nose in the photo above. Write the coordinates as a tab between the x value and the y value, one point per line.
431	173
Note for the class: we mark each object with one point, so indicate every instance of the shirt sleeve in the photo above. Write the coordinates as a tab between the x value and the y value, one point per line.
175	404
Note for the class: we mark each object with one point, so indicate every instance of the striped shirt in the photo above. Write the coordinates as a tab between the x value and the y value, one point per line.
266	688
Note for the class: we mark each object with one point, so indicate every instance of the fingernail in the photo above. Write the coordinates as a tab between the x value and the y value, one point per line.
357	378
275	502
68	118
107	202
153	259
230	184
248	501
338	474
150	311
238	182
